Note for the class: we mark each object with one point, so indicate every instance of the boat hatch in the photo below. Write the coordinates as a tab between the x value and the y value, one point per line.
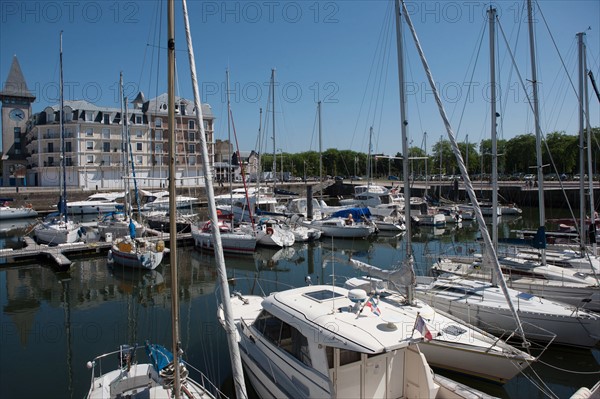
524	295
454	330
323	295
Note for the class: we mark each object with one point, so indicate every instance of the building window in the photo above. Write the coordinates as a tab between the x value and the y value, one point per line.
89	131
50	161
138	147
50	147
90	159
139	159
191	136
158	135
68	161
89	145
191	124
106	133
206	125
139	133
17	135
106	118
158	122
191	148
106	146
138	119
106	160
192	160
158	148
68	146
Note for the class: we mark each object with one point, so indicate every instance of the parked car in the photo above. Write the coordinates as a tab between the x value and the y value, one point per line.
529	176
338	178
392	177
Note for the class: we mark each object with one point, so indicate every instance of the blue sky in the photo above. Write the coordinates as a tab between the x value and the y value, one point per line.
341	52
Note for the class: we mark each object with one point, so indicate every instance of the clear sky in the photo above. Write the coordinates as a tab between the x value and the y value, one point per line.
341	52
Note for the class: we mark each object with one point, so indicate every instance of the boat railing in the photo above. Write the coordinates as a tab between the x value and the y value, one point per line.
127	356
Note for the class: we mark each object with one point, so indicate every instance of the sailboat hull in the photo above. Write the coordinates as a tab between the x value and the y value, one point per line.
57	233
129	254
234	243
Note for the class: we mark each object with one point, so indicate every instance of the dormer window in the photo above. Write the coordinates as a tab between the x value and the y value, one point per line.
138	119
106	118
163	107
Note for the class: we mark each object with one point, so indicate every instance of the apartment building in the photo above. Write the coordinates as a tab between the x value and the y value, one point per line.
101	147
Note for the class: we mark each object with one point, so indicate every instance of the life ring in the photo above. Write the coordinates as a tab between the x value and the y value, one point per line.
160	246
269	230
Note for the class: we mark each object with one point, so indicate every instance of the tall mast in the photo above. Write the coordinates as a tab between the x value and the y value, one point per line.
173	194
273	115
538	133
404	123
320	150
63	165
589	154
230	329
426	162
582	99
124	150
492	27
230	145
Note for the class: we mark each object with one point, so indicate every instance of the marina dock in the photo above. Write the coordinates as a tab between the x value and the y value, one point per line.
58	253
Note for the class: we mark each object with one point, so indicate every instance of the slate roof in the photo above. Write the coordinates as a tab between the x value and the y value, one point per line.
15	85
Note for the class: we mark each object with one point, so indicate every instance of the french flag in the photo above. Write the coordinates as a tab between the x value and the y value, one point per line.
421	327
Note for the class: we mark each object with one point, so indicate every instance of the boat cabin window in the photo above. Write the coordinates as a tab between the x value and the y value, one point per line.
284	335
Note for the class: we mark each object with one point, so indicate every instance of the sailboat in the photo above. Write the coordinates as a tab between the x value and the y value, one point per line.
233	239
118	224
59	229
165	375
479	303
579	288
131	250
318	341
457	345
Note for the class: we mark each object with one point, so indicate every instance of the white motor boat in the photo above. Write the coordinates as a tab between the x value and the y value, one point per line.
21	212
96	204
54	230
456	345
319	342
160	201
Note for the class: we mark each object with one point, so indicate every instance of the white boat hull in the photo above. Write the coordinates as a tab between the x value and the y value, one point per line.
234	243
127	254
57	233
6	212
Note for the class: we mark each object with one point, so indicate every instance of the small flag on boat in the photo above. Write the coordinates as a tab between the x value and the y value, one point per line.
421	327
374	308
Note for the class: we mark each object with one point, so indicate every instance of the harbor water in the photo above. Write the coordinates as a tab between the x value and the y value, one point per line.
52	323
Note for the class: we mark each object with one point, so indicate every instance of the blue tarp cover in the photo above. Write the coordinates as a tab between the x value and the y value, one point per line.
356	213
159	355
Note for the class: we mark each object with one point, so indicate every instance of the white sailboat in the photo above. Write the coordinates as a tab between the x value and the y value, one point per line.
580	288
233	239
59	229
131	250
165	375
456	345
454	290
